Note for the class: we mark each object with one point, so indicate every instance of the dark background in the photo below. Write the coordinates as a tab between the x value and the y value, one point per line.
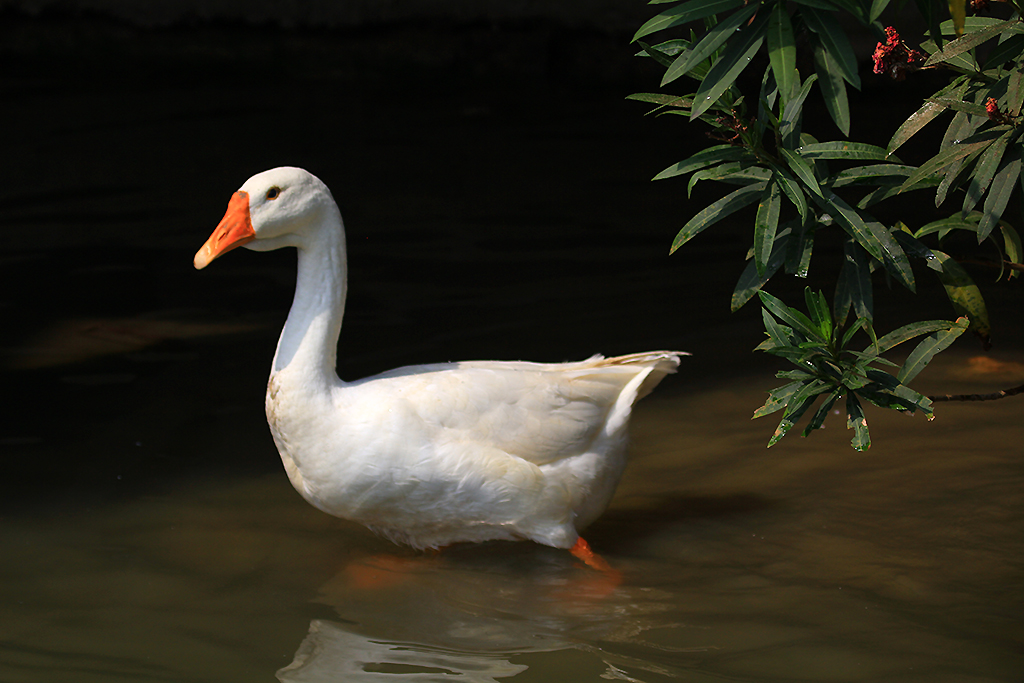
494	183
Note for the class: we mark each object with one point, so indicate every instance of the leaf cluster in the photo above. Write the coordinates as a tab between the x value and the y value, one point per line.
828	367
798	186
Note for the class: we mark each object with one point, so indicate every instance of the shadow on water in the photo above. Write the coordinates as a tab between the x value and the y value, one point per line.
148	532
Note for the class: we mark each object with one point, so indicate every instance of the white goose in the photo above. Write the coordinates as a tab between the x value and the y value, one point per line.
429	455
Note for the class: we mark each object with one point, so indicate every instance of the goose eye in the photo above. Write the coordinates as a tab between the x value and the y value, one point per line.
273	193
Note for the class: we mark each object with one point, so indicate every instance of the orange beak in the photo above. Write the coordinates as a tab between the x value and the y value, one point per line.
234	230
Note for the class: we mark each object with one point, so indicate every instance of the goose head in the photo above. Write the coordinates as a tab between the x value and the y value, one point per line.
278	208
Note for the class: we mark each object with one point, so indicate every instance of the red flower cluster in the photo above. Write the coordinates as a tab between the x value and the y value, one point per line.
992	108
893	57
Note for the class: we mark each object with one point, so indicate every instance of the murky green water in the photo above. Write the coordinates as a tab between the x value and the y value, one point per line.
806	562
148	532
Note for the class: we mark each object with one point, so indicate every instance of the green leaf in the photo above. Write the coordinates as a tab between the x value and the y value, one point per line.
931	17
799	402
1009	49
877	7
782	51
801	169
704	158
790	316
737	56
765	225
662	100
791	188
926	350
984	171
906	333
1015	85
834	40
818	419
685	12
710	215
927	112
916	121
853	289
792	114
896	262
875	174
840	149
750	281
964	294
778	335
999	193
1011	245
946	157
968	41
958	13
856	227
833	87
798	256
663	57
732	173
959	105
818	308
709	44
890	393
777	399
970	24
856	421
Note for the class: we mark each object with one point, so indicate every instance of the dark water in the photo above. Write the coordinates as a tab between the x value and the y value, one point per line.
148	532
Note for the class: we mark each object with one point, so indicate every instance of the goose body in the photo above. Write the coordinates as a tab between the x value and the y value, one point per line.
428	455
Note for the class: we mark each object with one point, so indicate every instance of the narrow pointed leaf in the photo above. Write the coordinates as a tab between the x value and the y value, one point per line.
856	421
766	223
958	13
737	56
984	171
802	170
906	333
750	281
685	12
1002	187
790	316
818	419
791	188
663	54
725	206
841	149
927	112
929	11
835	42
916	121
941	160
1015	84
777	399
970	24
799	402
968	41
926	350
833	87
1007	50
782	51
789	124
964	294
709	44
798	256
704	158
875	174
854	290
